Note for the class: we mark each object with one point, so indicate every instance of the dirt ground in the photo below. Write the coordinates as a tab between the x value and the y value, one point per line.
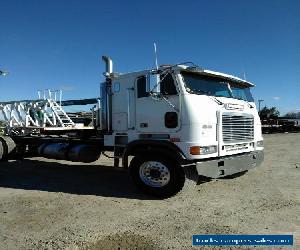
58	205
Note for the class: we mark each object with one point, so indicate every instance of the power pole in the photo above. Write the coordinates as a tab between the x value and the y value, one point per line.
259	102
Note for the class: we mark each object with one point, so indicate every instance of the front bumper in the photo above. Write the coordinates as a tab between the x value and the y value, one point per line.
229	165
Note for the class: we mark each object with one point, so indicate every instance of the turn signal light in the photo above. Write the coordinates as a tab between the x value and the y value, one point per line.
195	150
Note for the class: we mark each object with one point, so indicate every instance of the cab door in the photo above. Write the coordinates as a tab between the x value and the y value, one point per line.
157	112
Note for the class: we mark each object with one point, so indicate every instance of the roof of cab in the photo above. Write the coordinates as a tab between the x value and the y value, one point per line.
196	70
224	76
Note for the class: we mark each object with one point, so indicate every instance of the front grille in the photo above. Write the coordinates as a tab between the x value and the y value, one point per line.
237	127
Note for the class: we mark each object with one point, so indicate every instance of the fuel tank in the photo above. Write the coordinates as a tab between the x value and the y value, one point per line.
84	153
70	152
57	151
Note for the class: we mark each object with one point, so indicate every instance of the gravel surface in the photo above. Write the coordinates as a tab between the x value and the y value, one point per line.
58	205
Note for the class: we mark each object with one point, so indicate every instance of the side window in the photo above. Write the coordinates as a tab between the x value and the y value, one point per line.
141	83
167	85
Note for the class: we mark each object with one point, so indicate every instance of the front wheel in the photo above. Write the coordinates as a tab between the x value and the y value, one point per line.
158	176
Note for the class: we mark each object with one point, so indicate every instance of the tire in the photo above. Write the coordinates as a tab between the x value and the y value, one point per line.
1	150
8	146
157	176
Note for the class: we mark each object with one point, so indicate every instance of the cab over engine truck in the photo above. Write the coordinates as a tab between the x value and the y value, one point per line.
176	123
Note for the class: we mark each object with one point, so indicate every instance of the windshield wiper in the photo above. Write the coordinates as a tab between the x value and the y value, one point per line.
241	99
194	91
216	100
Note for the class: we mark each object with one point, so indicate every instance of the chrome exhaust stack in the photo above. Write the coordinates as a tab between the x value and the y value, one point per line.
106	93
108	65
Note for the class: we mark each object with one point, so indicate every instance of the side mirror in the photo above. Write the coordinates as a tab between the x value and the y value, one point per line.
153	83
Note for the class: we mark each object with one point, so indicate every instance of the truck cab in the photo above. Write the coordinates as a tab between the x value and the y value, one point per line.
208	120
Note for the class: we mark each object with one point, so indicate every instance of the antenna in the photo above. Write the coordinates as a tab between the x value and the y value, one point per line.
244	73
155	55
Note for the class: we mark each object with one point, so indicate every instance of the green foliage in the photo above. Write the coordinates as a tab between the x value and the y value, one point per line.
292	115
269	112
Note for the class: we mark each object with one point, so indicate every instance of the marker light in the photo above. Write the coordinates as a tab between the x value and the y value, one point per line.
260	144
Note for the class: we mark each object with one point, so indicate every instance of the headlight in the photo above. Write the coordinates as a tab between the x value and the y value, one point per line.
260	144
196	150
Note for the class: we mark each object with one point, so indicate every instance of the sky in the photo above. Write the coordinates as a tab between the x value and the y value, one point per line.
58	44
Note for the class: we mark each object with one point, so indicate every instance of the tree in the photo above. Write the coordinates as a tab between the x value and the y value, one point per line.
269	112
292	115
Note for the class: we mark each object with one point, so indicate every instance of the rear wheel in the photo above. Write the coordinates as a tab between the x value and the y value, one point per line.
158	176
1	150
7	146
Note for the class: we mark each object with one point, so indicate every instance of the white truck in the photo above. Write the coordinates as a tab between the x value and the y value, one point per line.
174	123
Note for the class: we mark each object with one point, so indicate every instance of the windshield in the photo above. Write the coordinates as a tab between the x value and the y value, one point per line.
206	85
241	93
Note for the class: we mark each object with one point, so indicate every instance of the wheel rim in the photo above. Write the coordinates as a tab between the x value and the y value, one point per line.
154	174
